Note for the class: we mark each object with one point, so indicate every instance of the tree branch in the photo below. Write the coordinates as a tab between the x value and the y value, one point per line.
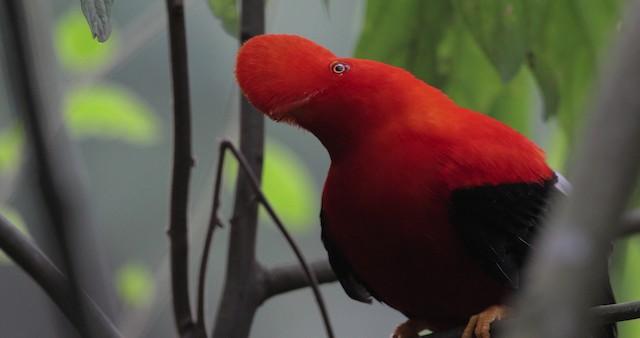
605	314
243	273
182	163
291	277
35	263
579	232
214	222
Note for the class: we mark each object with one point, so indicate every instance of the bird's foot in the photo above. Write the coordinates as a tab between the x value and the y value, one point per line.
409	329
480	324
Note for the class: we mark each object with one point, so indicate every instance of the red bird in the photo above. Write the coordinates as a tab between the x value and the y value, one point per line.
428	207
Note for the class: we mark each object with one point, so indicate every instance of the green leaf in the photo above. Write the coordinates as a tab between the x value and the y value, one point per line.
110	111
135	284
504	29
290	188
438	47
557	151
514	104
288	185
11	145
568	52
98	15
472	81
406	34
14	217
76	49
227	12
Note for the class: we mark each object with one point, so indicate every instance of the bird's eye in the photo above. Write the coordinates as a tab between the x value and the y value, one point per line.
339	67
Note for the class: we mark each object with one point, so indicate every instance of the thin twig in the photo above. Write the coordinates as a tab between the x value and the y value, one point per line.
291	277
214	222
313	281
277	280
35	263
182	163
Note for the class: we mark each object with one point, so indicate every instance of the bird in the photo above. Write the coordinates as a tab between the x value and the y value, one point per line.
428	207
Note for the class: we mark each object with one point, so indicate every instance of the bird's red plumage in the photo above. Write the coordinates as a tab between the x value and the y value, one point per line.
398	148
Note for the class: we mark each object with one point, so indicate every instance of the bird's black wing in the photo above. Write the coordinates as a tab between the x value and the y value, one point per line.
351	284
498	224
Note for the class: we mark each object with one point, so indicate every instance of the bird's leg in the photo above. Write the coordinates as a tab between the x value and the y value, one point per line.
409	329
480	324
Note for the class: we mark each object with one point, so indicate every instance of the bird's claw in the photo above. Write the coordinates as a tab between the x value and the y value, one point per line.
479	325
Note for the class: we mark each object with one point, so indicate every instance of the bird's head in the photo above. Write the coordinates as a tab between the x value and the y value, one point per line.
294	80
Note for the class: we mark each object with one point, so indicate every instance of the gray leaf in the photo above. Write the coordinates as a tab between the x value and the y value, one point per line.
98	14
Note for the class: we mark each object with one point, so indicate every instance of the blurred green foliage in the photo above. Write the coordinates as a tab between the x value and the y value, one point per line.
287	184
567	55
76	48
11	142
474	49
106	110
504	29
407	34
110	111
227	12
135	284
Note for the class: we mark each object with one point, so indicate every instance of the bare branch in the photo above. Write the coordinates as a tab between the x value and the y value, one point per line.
291	277
612	313
182	163
579	232
35	263
234	317
257	279
214	222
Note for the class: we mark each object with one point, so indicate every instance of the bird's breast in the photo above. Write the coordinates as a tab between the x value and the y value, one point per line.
392	224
